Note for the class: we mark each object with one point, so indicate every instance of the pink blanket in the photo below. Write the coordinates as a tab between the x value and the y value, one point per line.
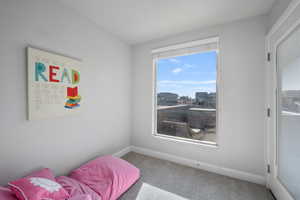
108	176
6	194
75	188
81	197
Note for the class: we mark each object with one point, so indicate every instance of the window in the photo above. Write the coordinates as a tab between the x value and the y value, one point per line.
185	93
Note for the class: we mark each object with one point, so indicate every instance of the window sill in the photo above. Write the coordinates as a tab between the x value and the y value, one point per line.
186	140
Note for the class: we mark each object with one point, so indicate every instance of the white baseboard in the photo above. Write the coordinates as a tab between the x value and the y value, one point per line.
201	165
122	152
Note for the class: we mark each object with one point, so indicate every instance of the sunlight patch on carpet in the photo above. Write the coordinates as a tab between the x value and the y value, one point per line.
149	192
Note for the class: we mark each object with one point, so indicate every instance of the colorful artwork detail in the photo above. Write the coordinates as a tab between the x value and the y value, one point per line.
73	98
75	77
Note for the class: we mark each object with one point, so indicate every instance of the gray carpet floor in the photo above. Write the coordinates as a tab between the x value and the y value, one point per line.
190	183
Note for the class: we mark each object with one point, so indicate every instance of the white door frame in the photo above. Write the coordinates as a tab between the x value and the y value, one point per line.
273	182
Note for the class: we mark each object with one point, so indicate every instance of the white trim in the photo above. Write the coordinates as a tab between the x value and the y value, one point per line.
186	140
154	97
122	152
287	12
186	45
254	178
267	119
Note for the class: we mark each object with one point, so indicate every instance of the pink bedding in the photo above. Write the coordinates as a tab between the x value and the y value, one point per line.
108	176
75	188
7	194
81	197
38	185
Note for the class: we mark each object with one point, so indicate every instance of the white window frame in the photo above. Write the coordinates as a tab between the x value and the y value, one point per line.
154	91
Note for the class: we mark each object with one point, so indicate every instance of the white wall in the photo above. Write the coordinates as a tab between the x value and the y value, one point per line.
277	9
63	143
242	112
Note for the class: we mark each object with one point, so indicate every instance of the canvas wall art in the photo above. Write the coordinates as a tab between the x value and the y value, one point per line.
53	85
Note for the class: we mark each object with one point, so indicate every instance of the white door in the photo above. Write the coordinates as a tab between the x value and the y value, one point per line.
283	88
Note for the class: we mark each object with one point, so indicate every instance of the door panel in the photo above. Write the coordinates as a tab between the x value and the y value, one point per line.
288	113
283	97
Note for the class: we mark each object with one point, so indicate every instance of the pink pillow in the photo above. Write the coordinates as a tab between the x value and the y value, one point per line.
75	188
107	175
38	185
7	194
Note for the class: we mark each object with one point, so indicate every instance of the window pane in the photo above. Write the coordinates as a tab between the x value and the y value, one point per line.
186	96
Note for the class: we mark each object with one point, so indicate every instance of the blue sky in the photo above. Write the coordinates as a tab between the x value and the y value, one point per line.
185	75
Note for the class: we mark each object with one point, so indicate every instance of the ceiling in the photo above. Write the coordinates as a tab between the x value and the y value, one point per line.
137	21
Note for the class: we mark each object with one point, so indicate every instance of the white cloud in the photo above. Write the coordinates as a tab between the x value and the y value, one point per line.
205	89
188	66
188	82
174	60
176	86
177	70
